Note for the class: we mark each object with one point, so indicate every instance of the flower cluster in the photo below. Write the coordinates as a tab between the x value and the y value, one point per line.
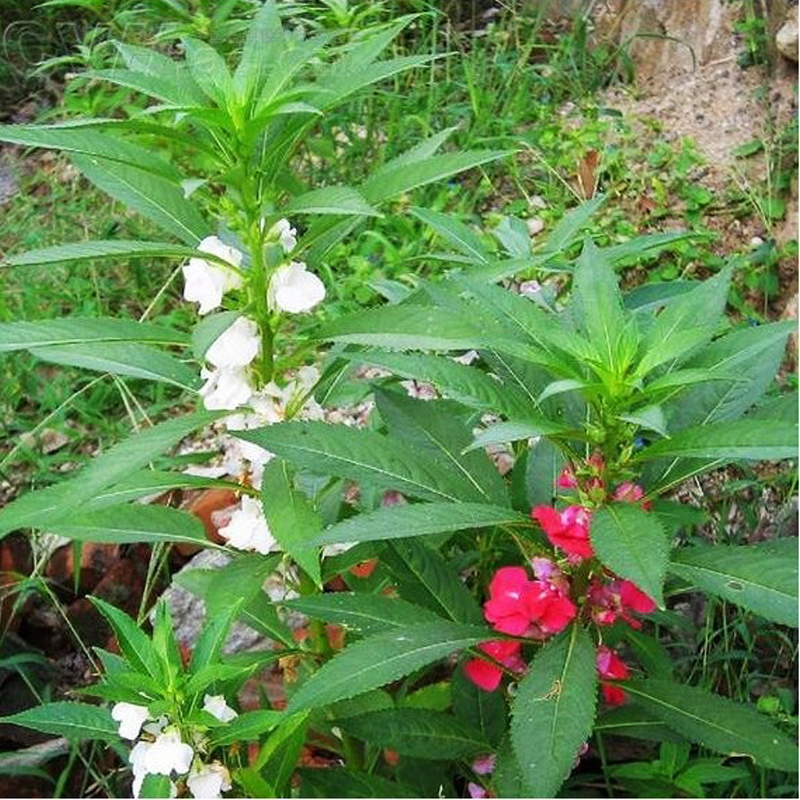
164	749
520	606
614	600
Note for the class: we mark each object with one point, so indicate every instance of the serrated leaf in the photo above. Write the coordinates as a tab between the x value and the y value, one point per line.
156	198
156	786
571	224
715	722
131	524
366	612
291	518
134	643
484	711
212	637
632	543
384	658
553	711
514	430
358	454
751	440
246	727
331	200
122	358
100	250
423	569
74	721
419	520
81	330
47	506
762	577
455	232
209	71
417	732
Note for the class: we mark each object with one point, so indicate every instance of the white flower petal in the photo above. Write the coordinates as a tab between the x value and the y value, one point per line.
206	282
294	289
209	781
248	528
225	389
217	707
167	754
237	346
130	717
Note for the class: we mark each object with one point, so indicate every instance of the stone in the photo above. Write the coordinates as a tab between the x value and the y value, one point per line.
535	225
786	37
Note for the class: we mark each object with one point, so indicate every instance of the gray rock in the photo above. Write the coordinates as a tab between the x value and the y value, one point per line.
8	185
786	37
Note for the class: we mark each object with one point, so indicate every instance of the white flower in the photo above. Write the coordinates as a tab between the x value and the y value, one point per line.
205	281
130	717
248	528
167	754
136	759
217	707
293	289
209	781
285	233
237	346
225	388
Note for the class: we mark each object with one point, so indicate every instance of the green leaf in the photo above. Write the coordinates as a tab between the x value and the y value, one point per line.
514	430
715	722
438	428
419	520
246	727
156	786
156	198
331	200
690	320
455	232
570	225
553	710
42	508
417	732
209	71
424	573
79	330
369	613
345	783
630	720
291	518
631	542
263	46
392	181
360	455
484	711
122	358
384	658
90	143
212	637
543	465
130	524
751	440
598	304
75	721
761	578
280	753
100	250
746	361
134	643
650	418
649	244
469	386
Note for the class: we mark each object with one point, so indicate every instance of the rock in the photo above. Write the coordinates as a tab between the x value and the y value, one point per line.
786	37
535	225
8	186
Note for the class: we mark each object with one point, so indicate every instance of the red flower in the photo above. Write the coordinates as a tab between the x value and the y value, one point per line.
522	607
635	599
566	479
568	530
611	667
487	676
504	608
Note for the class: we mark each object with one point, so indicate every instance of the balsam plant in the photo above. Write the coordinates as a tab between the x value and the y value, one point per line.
542	575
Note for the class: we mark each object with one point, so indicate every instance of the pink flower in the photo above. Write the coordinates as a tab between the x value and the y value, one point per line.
522	607
628	492
612	667
487	676
476	790
568	530
484	765
566	479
